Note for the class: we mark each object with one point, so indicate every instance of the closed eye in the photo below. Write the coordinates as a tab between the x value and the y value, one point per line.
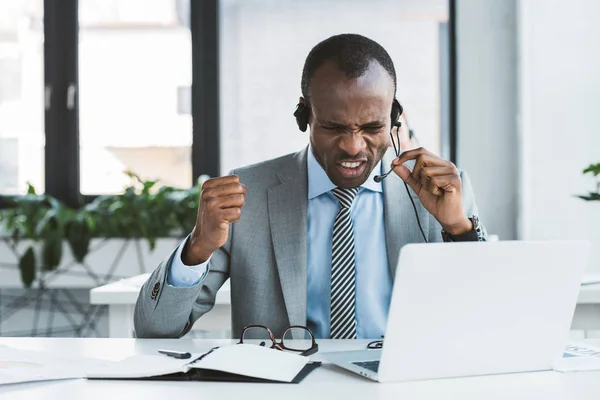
373	128
331	128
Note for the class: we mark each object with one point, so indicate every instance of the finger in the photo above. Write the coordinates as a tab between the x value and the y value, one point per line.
445	183
425	182
435	171
404	173
231	214
409	155
429	172
220	181
413	155
229	201
429	160
223	190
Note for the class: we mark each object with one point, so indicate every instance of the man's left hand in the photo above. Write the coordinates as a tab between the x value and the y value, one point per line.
438	185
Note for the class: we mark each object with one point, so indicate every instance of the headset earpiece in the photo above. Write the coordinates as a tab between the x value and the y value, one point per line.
397	111
301	115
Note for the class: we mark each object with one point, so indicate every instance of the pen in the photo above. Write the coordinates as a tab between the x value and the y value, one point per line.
175	354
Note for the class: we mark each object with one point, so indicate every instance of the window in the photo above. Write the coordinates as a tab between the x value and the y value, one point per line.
21	96
90	89
263	48
134	67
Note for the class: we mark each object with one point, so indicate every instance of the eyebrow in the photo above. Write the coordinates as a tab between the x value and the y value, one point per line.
370	124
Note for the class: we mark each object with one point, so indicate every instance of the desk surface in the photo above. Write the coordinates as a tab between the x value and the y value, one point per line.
327	381
125	291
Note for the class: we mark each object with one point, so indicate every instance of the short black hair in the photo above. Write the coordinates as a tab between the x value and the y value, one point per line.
352	52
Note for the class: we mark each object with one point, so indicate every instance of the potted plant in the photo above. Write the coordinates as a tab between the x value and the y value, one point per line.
594	170
45	224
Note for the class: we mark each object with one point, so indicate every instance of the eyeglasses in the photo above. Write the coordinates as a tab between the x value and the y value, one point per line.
295	331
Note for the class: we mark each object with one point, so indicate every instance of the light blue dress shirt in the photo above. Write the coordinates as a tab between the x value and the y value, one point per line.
373	277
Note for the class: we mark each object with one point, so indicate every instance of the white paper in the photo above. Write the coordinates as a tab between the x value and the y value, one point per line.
141	366
579	357
17	366
255	361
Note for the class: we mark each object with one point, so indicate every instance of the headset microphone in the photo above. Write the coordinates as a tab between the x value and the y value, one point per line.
379	178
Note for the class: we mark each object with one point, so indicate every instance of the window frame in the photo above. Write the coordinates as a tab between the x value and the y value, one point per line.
62	159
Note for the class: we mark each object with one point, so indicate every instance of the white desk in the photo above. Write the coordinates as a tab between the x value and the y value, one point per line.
326	382
121	297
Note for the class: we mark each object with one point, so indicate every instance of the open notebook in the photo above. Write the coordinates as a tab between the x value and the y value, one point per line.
237	363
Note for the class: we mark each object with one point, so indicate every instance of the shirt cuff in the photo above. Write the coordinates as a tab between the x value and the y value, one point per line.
181	275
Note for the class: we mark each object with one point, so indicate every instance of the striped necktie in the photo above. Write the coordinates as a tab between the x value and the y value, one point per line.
343	319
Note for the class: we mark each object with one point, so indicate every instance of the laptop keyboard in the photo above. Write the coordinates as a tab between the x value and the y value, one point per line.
370	365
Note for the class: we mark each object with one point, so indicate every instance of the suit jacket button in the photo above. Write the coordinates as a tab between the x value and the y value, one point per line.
155	291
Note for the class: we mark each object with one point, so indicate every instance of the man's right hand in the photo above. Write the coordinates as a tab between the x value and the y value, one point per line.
221	203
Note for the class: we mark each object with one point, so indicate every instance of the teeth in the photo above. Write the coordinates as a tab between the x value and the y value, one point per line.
350	164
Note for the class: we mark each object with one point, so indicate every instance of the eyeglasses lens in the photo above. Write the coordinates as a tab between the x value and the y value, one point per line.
303	342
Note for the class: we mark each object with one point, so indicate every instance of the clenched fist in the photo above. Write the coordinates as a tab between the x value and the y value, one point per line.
221	203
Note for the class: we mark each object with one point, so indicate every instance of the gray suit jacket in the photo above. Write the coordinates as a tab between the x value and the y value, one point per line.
265	255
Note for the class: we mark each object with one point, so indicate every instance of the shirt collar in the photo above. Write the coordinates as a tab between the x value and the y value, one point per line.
319	182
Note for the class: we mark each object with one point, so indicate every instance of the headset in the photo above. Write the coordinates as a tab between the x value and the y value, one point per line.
302	115
303	110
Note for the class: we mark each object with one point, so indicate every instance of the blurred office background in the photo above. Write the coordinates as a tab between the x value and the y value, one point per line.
176	89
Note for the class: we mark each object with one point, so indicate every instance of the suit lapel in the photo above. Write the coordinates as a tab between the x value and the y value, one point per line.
287	205
400	222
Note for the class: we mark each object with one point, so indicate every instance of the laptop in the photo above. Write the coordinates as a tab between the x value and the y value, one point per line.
475	308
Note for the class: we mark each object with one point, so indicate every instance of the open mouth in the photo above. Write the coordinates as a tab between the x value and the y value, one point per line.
351	169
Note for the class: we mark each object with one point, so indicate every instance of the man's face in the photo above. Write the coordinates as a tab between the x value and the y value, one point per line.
350	121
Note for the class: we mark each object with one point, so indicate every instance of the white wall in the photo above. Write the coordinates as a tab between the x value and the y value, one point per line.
263	48
487	92
559	63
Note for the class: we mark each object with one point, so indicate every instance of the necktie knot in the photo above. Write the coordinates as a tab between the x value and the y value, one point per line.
345	196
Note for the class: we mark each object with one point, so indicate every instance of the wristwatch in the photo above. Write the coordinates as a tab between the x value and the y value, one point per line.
474	235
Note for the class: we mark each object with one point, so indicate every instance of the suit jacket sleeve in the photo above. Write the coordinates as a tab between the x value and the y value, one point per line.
165	311
469	205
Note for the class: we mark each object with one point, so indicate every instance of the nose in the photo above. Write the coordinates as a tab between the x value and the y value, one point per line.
352	143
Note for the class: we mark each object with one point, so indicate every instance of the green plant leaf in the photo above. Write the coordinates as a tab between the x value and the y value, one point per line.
79	237
47	224
141	211
147	186
27	267
30	188
593	169
51	252
591	197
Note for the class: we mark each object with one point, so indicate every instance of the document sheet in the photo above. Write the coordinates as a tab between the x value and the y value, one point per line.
255	361
18	366
579	357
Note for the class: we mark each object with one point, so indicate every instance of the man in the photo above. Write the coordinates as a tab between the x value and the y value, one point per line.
311	238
